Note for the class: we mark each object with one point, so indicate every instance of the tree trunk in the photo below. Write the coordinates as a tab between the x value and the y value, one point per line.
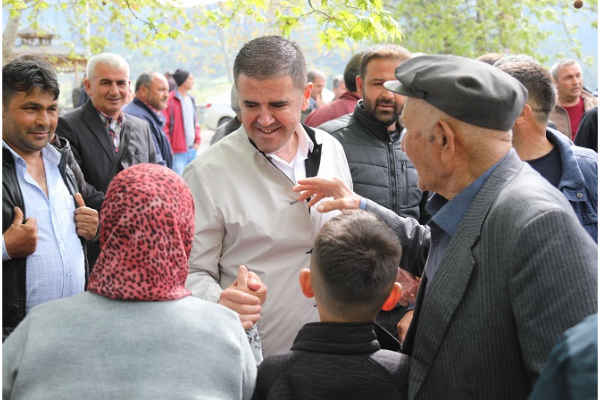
9	38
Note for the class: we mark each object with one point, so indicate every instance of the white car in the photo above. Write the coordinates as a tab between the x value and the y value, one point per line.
218	110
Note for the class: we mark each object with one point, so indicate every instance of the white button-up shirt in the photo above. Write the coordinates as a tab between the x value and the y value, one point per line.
57	267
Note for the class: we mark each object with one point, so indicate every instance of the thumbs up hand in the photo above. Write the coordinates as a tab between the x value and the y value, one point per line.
21	238
86	219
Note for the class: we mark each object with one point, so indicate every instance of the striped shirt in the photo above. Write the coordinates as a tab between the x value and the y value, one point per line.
57	268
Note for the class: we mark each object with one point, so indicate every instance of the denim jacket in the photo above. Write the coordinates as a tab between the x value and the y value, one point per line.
579	180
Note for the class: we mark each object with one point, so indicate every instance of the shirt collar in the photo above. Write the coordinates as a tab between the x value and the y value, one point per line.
120	119
305	145
448	214
48	153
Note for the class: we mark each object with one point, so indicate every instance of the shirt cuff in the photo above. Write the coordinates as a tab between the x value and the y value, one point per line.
363	203
5	256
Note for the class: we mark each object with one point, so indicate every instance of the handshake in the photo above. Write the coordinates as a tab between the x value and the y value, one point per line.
245	296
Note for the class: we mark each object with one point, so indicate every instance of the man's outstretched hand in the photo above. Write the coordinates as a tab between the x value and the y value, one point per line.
318	189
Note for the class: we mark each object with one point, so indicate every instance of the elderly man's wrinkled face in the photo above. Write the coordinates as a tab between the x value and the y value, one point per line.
569	83
384	105
271	110
418	143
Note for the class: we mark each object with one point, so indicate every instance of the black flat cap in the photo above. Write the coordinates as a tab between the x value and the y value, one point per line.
468	90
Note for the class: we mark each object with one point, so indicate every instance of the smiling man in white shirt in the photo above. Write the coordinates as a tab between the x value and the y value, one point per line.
246	212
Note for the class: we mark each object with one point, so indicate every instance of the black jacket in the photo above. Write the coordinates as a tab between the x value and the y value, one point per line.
93	148
334	361
91	196
94	152
14	270
587	134
381	171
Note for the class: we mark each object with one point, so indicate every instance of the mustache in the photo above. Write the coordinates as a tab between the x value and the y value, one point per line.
390	102
39	129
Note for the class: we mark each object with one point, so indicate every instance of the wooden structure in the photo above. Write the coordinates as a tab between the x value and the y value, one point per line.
38	42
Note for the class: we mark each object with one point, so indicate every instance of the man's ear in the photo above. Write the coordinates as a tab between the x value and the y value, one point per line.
525	115
360	85
445	137
88	86
393	298
306	283
306	96
143	91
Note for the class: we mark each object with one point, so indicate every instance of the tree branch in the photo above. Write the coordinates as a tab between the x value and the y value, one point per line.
148	23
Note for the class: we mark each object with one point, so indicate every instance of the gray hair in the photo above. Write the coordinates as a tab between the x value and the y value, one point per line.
314	74
235	101
269	57
145	79
337	80
556	66
110	59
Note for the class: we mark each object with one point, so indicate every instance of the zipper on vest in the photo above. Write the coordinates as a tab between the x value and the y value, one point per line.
393	178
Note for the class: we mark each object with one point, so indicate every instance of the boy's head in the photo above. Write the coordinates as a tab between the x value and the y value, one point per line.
354	265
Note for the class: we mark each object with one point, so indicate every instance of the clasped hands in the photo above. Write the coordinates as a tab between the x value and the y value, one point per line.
245	296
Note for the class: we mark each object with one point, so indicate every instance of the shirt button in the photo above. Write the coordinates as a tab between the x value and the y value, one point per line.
580	195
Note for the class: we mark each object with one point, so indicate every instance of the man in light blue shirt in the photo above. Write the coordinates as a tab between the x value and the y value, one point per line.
45	223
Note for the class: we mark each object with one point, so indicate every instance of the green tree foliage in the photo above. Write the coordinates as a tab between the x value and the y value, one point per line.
146	24
474	27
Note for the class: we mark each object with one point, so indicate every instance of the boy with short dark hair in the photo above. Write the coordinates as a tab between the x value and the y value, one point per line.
353	269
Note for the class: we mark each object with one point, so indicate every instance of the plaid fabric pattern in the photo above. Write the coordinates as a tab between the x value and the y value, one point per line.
113	127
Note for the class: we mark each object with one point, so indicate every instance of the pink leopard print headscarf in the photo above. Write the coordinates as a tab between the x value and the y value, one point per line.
146	231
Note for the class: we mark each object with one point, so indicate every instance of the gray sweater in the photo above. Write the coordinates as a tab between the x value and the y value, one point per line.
92	347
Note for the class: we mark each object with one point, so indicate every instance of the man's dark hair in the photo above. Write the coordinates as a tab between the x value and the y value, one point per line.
269	57
538	82
27	74
354	263
385	51
514	59
352	71
489	58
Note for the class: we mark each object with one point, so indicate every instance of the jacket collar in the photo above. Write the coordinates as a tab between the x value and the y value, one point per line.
349	96
372	125
337	338
155	115
96	126
571	180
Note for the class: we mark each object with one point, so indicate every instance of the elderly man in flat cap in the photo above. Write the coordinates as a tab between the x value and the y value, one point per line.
505	265
181	121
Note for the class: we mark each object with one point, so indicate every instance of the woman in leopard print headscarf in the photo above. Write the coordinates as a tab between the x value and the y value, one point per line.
147	226
137	332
